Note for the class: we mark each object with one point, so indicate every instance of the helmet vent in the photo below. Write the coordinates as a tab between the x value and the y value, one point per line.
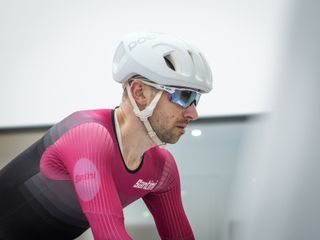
191	56
169	62
198	63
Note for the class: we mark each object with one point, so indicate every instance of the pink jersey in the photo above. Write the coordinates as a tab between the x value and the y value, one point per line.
88	155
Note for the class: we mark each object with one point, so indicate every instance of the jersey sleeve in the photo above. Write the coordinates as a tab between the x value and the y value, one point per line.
85	153
165	204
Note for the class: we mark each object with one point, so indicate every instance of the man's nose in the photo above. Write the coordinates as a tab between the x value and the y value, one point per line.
191	112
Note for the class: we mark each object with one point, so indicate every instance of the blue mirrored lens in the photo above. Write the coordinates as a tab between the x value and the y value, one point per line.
184	98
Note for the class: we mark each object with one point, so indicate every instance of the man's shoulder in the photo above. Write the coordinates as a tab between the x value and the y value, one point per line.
167	167
93	114
161	153
76	119
102	116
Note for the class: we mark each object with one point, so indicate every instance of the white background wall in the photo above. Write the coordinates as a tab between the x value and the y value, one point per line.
276	192
56	55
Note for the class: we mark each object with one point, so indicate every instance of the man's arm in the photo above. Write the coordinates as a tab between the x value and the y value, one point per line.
166	205
85	153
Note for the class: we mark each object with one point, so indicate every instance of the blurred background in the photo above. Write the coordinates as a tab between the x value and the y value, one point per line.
250	165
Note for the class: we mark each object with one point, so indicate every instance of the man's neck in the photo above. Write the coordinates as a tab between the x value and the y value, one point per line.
135	140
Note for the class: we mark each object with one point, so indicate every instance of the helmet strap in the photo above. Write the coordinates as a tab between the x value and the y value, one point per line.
146	113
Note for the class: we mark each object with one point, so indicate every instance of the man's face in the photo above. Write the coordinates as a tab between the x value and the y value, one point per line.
169	120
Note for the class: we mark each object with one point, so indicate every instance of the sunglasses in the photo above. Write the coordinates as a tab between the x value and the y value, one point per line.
182	97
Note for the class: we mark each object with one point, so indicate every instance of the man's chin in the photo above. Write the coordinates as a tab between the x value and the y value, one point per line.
173	140
170	138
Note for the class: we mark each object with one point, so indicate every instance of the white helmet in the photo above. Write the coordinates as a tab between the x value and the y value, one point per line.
147	54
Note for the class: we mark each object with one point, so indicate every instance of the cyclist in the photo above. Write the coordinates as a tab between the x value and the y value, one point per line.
92	164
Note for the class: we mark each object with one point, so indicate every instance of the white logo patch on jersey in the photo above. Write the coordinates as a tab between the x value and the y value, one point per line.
145	185
86	179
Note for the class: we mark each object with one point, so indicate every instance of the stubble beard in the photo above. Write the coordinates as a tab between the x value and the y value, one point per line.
165	134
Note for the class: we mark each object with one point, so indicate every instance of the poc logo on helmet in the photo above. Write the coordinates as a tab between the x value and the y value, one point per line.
139	41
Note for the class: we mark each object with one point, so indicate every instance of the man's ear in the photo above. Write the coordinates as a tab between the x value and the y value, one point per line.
139	93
